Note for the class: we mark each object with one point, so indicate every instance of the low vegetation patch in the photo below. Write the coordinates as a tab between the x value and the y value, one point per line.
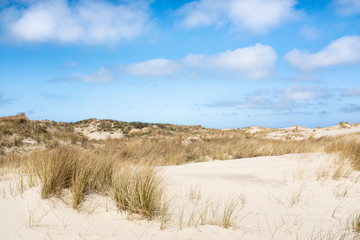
135	188
173	151
348	149
138	190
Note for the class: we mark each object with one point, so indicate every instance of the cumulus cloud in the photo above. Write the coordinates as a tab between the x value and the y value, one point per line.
153	68
252	62
101	76
306	93
257	16
345	50
347	7
91	22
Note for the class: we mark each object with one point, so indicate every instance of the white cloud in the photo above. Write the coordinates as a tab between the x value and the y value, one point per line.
258	16
91	22
100	76
305	93
153	68
347	7
300	93
203	13
345	50
252	62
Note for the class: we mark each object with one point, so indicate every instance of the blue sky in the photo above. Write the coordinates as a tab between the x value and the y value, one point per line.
221	64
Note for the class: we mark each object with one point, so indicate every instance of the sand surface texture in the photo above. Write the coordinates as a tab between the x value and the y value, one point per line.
286	197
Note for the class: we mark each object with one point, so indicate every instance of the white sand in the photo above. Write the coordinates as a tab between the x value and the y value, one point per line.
299	133
93	132
270	185
283	200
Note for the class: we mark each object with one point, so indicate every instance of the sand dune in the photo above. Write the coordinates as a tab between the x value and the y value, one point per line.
298	133
282	197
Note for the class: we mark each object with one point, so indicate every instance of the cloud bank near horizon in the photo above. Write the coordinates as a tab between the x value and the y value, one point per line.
249	63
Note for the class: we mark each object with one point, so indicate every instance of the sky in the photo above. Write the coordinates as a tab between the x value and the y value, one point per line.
215	63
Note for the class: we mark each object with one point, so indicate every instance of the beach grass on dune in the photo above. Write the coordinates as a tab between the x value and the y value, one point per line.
348	149
135	188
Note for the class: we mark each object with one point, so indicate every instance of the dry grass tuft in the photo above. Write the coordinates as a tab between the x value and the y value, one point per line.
164	212
173	151
19	118
56	170
322	173
228	212
341	171
355	223
348	149
295	198
138	189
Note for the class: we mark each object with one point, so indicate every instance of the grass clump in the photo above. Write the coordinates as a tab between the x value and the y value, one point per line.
135	188
55	169
173	150
348	149
355	223
138	189
228	212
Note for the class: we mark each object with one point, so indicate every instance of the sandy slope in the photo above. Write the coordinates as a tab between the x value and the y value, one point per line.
277	198
298	133
271	186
